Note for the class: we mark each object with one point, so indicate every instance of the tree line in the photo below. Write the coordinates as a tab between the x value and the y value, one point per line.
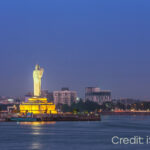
89	106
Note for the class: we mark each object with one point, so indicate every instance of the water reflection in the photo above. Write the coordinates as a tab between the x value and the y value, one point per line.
37	131
37	123
36	145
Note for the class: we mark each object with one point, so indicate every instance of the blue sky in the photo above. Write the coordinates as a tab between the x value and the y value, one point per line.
79	43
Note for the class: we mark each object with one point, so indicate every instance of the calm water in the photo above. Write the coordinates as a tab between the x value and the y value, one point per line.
74	135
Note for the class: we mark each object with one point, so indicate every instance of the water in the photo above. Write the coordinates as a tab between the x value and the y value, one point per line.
74	135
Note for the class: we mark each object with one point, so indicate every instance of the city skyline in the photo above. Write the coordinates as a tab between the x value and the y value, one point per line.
79	44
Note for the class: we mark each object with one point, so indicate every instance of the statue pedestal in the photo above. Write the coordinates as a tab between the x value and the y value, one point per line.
37	105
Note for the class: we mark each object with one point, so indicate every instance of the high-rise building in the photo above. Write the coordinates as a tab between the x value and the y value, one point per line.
97	95
65	96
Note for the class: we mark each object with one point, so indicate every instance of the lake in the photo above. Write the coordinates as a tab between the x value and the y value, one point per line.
75	135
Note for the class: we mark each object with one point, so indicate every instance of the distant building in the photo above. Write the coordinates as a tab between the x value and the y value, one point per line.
27	96
65	96
125	101
97	95
44	93
50	97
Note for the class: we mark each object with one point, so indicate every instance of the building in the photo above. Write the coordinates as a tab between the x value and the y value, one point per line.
37	105
65	96
44	93
125	101
28	96
97	95
48	95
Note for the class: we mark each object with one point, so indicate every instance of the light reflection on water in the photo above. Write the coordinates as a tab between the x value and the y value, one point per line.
37	123
37	128
35	146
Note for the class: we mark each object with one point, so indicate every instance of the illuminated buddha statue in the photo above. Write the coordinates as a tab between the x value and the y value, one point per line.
37	104
37	75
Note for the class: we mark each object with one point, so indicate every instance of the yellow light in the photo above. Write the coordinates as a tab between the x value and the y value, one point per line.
38	107
37	123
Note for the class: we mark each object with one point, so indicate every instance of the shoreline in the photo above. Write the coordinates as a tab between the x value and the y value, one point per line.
126	113
93	117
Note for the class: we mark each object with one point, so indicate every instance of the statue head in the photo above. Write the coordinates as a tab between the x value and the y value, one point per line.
37	67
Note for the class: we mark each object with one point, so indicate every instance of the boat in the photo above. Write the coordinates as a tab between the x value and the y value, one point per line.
21	119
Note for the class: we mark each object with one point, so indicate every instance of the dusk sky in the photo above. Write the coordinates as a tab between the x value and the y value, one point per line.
80	43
